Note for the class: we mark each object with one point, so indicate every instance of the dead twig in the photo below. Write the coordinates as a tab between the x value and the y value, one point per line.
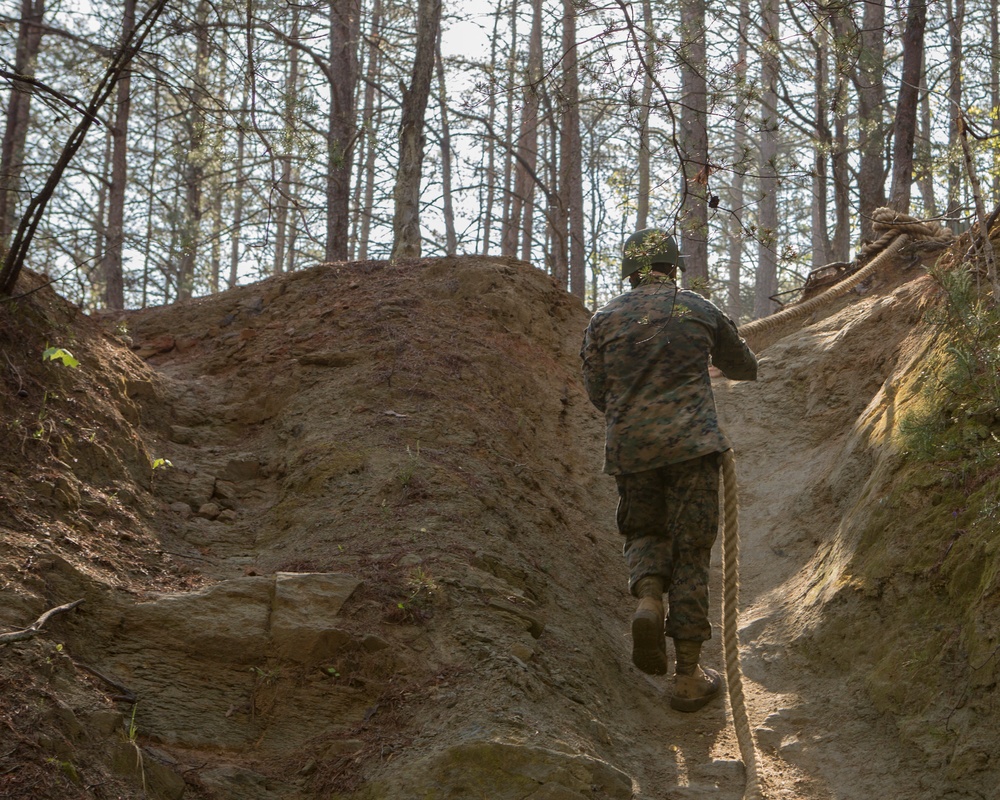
33	629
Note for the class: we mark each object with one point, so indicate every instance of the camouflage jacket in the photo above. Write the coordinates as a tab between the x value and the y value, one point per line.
645	365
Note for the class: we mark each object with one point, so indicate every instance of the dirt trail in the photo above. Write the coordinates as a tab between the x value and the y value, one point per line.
382	562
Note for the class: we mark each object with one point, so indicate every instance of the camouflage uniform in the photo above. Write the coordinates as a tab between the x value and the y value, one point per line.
645	365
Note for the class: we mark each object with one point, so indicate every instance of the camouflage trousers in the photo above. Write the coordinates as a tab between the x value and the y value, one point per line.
670	518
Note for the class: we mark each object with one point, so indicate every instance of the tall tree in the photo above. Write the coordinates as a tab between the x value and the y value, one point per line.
29	42
519	223
448	210
694	144
870	82
114	285
345	21
821	152
956	22
193	170
767	213
906	107
734	228
406	239
648	57
571	156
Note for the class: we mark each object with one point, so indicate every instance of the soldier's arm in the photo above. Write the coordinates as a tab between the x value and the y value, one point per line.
731	354
594	376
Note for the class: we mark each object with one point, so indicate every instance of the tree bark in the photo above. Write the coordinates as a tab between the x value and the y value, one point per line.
406	193
694	146
451	239
648	68
289	122
372	117
114	280
570	153
842	233
824	145
734	231
194	160
871	99
906	107
508	241
238	188
491	143
29	42
767	215
924	166
519	225
956	20
341	124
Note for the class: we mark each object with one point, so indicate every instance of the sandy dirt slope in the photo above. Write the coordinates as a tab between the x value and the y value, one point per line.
382	562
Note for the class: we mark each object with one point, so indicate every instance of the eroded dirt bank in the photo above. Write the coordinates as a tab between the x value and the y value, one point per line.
382	561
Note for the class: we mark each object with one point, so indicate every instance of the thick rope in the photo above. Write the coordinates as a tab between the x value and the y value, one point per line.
898	229
730	629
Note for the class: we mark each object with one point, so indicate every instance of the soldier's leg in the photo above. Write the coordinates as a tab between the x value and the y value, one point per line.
693	519
649	555
695	527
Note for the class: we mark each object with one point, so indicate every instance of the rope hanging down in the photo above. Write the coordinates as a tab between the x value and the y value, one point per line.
898	230
730	629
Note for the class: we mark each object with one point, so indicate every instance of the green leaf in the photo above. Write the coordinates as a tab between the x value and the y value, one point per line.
60	354
161	462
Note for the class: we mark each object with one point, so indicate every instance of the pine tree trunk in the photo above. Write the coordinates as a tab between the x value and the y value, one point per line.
694	146
194	162
451	239
372	117
649	66
491	143
767	215
114	283
734	231
519	225
906	108
842	233
406	193
571	165
924	166
820	235
956	20
239	180
29	42
342	124
285	159
871	100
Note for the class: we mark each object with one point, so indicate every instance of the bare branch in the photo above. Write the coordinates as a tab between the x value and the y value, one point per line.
35	627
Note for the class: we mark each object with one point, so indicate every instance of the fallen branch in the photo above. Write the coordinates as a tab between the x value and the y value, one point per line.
37	625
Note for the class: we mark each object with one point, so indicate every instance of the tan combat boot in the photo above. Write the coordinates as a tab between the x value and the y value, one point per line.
649	646
694	687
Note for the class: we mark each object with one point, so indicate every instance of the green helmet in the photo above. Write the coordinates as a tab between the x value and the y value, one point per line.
647	248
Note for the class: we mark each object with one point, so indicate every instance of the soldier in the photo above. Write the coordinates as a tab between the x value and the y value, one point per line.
646	366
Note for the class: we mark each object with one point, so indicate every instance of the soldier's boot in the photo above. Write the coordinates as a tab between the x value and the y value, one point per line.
694	687
649	645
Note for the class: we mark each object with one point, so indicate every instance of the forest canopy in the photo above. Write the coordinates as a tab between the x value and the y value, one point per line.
242	140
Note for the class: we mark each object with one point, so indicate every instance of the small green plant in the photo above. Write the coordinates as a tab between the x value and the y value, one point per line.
132	737
264	675
62	355
160	463
957	422
67	768
406	472
421	586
